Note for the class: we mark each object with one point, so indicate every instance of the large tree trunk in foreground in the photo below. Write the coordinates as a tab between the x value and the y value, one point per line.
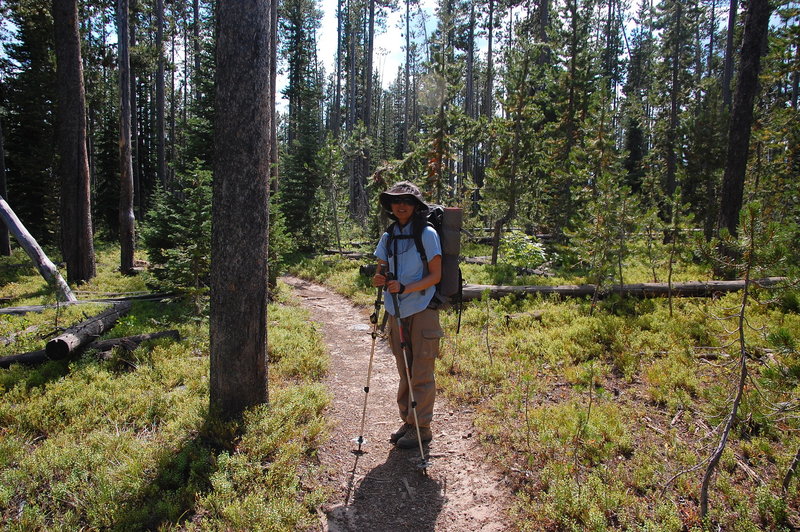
240	215
77	247
34	251
85	332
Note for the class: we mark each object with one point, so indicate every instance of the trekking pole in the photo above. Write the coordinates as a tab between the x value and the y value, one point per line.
374	320
404	346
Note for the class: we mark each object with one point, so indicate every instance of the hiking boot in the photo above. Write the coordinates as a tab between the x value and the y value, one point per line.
409	439
400	432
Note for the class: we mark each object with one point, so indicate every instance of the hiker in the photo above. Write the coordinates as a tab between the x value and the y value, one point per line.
413	281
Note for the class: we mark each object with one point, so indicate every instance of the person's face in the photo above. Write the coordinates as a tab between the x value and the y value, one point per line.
403	208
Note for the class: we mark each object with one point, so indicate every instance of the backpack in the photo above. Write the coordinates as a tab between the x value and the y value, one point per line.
446	221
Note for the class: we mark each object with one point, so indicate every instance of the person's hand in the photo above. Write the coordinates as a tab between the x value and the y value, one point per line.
395	287
378	279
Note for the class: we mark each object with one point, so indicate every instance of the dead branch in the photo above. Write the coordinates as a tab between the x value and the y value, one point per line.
749	471
787	479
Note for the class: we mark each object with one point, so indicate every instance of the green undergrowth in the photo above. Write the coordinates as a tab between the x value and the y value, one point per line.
125	442
603	419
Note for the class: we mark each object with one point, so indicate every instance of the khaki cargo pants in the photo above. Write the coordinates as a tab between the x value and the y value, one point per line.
422	332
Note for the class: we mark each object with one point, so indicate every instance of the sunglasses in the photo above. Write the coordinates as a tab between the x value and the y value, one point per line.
404	201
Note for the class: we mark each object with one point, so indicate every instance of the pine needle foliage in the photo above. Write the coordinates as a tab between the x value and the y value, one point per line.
177	236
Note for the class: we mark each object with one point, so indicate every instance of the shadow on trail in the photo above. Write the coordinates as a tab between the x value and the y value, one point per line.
395	495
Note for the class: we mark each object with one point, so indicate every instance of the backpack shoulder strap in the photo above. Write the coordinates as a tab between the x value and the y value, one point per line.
420	246
390	233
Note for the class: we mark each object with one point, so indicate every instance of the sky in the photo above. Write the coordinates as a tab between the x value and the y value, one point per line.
389	43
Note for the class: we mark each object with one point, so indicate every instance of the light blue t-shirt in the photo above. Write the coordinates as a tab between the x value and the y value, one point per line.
410	268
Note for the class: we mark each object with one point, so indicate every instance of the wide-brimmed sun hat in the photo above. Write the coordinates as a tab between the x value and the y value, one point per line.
398	190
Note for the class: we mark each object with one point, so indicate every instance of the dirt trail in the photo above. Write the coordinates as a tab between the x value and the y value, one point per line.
383	488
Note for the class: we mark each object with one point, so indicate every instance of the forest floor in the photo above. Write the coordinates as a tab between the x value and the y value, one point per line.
383	488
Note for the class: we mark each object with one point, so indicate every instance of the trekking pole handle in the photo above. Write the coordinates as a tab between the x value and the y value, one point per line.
378	299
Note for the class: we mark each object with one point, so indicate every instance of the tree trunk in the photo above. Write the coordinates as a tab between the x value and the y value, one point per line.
488	105
196	47
240	212
675	89
727	71
5	242
407	83
362	161
469	105
126	217
274	177
337	96
77	247
85	332
753	45
137	182
161	161
34	251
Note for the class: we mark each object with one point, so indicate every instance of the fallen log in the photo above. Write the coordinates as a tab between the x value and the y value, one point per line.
30	358
535	315
86	331
45	266
40	308
685	289
103	347
130	343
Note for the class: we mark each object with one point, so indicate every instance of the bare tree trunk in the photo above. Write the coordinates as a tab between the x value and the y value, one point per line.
137	182
362	161
407	81
727	71
369	68
753	45
5	242
488	104
240	212
126	217
77	247
196	45
796	79
274	176
469	102
45	266
161	167
675	90
337	96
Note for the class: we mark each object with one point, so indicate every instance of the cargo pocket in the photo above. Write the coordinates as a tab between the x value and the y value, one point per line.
430	342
